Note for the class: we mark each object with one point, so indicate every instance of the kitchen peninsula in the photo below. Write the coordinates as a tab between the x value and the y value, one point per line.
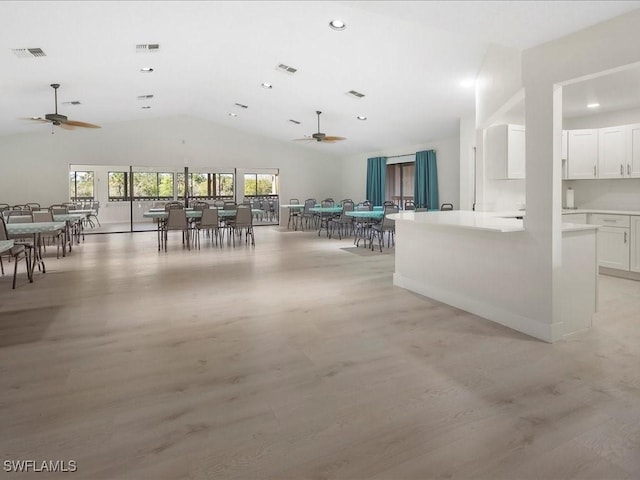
476	261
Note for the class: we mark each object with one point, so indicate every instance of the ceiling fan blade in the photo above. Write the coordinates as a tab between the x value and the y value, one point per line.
67	126
75	123
333	139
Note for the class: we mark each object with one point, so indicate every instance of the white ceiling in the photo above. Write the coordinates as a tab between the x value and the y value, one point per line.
406	57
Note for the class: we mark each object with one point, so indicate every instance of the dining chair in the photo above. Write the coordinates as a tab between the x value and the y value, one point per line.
177	220
243	222
17	252
446	206
210	223
47	237
343	221
387	225
295	215
409	205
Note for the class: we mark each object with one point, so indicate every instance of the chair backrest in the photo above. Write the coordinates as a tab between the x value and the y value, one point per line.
71	206
244	218
33	206
201	205
95	206
43	216
388	223
209	217
388	203
327	202
176	219
308	204
218	203
230	206
19	207
174	206
409	205
446	206
4	235
59	209
158	204
294	201
4	206
421	209
19	216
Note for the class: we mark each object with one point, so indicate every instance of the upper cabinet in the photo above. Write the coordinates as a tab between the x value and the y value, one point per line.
612	152
634	157
582	155
505	151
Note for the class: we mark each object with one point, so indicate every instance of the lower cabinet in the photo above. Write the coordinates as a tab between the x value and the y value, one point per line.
613	247
635	244
614	240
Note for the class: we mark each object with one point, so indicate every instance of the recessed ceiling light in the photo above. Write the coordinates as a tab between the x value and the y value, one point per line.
146	70
467	83
337	25
361	117
593	105
267	85
233	114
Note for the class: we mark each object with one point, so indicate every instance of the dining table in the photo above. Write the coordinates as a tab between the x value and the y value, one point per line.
22	230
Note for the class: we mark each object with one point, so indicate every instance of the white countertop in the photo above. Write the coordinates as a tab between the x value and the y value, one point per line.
607	212
503	222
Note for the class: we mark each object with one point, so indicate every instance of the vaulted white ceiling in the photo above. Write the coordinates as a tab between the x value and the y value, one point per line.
407	58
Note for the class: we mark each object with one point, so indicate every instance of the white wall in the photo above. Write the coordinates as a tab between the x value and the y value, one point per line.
35	166
603	120
498	92
354	169
467	161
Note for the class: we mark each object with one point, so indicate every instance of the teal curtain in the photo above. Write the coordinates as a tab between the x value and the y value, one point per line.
376	178
425	192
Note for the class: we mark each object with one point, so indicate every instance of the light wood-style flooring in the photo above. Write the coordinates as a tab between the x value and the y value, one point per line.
298	359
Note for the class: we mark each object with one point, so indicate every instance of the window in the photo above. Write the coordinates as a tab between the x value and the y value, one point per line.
205	185
80	186
223	184
118	186
152	185
400	180
260	184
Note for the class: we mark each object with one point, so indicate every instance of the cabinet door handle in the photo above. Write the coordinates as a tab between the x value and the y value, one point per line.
621	169
625	237
628	169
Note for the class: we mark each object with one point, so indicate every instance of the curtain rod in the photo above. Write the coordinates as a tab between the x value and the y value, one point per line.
406	154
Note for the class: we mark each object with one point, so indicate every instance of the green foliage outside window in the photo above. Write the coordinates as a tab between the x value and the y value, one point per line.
80	185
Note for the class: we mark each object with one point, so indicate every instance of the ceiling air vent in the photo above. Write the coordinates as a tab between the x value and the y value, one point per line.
286	68
241	105
355	94
144	97
28	52
147	47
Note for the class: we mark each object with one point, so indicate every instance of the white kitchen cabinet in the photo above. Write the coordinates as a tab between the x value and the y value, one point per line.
614	150
582	156
580	218
565	151
505	151
635	245
613	240
633	168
